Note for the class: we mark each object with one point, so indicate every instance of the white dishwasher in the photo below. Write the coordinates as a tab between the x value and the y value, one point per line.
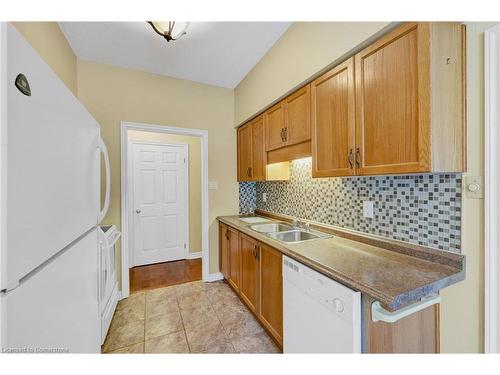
319	314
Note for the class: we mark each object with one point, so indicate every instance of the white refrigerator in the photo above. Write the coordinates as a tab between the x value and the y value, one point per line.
50	207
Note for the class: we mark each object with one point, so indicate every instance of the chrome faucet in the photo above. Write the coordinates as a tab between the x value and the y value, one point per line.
299	224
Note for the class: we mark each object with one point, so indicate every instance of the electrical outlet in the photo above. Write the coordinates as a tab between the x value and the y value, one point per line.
213	185
368	209
264	197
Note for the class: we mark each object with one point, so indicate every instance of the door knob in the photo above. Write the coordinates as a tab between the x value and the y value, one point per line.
138	211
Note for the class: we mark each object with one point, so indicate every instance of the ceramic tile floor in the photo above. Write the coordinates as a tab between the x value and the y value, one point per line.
195	317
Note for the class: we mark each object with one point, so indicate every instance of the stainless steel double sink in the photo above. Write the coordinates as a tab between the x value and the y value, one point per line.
288	233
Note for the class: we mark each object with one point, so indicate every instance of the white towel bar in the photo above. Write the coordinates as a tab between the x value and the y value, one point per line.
381	314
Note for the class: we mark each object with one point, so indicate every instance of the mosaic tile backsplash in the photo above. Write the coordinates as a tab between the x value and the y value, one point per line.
248	197
420	209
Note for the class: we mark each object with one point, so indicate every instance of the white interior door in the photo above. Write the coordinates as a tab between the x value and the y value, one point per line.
159	202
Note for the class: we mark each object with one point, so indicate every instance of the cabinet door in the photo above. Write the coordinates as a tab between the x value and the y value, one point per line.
234	258
274	119
245	153
392	103
224	250
333	122
271	291
258	172
416	333
298	116
249	271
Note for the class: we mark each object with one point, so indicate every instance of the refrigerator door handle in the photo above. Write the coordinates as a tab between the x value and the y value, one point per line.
102	147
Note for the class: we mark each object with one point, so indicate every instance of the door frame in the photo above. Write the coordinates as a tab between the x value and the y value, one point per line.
492	194
130	184
125	244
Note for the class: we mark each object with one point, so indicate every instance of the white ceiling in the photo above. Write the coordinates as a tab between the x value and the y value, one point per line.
215	53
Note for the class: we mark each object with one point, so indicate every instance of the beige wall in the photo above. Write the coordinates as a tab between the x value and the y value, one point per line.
462	309
51	44
303	50
113	94
194	167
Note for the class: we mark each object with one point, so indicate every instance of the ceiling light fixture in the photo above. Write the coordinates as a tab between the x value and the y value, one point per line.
169	30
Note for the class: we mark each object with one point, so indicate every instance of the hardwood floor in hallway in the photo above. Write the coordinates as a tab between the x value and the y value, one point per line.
161	275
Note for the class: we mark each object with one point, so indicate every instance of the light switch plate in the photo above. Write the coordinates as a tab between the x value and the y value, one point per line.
474	187
368	209
213	185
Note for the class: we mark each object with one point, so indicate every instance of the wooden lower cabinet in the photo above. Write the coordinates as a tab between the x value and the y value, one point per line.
417	333
254	271
234	257
258	280
224	250
249	285
271	291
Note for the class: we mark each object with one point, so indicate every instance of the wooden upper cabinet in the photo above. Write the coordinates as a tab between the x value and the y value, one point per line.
258	172
289	122
234	258
395	107
298	116
249	271
271	291
409	101
391	97
245	153
274	120
251	151
333	122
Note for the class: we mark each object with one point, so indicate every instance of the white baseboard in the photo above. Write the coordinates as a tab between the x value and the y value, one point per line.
194	255
214	277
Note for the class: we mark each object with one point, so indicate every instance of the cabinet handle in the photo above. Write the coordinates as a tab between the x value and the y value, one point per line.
358	158
285	134
282	135
350	158
249	171
227	235
258	252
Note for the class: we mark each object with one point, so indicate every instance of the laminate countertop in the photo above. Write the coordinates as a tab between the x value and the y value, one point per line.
392	272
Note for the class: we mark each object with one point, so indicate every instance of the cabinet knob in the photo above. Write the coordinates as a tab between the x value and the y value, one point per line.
138	211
